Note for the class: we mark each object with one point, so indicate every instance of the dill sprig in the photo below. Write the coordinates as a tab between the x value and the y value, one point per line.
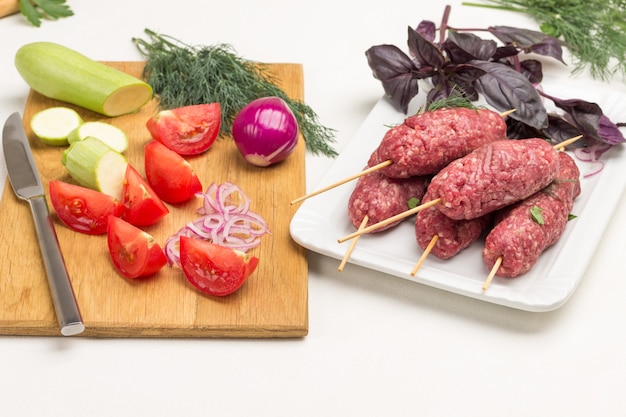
454	100
182	75
595	30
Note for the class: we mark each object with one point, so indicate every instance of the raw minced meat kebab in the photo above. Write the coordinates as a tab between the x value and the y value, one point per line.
489	185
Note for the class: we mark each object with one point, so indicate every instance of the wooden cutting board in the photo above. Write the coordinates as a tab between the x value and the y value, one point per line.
272	303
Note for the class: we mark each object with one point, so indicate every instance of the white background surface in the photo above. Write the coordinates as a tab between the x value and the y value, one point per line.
377	345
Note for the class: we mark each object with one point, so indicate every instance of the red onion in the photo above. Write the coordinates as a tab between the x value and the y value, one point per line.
265	131
225	219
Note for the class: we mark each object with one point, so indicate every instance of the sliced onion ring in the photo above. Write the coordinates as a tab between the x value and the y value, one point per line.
225	219
592	155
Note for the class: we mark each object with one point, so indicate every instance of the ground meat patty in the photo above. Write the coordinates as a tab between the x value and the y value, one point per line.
380	197
429	141
453	235
494	176
519	238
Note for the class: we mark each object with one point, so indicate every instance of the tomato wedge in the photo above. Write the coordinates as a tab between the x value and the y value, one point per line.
134	253
188	130
169	174
143	205
82	209
214	269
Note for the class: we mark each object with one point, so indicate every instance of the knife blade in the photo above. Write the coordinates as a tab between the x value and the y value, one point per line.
27	185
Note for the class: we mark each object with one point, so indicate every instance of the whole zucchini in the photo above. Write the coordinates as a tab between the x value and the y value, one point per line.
61	73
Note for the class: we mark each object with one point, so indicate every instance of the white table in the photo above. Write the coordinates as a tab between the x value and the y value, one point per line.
377	345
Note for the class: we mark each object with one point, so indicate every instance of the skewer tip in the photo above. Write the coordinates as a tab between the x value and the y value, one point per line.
344	261
429	248
562	145
492	273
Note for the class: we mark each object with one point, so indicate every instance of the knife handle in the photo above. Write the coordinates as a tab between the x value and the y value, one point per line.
63	298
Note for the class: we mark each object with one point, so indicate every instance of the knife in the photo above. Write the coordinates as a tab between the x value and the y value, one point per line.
26	184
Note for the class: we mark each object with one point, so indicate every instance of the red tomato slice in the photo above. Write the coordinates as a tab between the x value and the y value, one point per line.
187	130
83	209
143	205
169	174
214	269
134	252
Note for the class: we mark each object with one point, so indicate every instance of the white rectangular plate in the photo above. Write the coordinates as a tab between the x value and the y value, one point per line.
321	220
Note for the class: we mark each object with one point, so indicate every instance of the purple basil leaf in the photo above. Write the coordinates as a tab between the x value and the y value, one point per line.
520	130
436	93
532	69
550	47
396	71
456	54
609	132
590	120
505	52
468	72
387	61
455	80
530	41
463	47
529	68
506	89
401	91
559	130
427	29
521	38
453	84
425	52
463	78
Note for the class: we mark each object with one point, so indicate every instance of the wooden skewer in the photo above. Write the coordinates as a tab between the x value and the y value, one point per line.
492	273
392	219
364	172
567	142
343	181
429	248
352	245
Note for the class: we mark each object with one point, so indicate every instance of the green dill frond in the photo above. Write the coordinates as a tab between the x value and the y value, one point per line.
595	30
451	101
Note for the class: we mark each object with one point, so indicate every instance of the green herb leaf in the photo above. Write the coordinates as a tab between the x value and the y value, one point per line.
536	214
413	202
182	75
453	100
571	217
35	10
594	29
